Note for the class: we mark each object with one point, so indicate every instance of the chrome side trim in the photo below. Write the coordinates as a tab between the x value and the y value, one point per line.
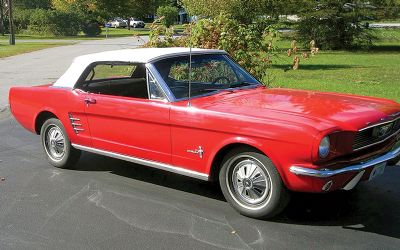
324	173
154	164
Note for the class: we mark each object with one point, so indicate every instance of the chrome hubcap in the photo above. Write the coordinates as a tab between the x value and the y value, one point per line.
55	143
250	183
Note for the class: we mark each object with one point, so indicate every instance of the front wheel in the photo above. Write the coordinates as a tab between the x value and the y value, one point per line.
251	184
57	145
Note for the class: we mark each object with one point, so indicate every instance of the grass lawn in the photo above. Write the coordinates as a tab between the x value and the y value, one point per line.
361	73
387	37
373	73
11	50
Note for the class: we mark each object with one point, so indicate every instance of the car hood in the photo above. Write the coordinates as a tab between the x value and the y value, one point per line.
316	109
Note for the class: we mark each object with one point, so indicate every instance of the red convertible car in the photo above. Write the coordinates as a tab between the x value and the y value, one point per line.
200	114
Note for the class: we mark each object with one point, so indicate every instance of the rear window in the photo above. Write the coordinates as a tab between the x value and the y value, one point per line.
106	71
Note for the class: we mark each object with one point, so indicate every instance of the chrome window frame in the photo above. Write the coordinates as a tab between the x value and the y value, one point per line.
154	73
171	97
148	80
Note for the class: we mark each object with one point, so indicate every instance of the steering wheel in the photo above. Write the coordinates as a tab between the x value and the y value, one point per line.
220	78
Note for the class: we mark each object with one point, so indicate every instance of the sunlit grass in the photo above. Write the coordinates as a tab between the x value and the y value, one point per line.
11	50
373	72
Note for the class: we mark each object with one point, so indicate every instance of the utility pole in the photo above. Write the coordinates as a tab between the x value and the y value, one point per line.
10	15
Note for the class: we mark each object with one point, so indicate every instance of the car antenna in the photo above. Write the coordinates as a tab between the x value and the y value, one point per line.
190	65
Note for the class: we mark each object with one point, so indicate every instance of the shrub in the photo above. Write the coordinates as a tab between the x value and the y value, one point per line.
67	23
333	32
53	23
22	18
162	37
91	28
168	15
41	22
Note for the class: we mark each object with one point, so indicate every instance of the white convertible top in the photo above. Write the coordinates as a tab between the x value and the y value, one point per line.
142	55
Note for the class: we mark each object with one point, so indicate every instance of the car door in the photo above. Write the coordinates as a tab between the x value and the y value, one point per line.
123	119
75	119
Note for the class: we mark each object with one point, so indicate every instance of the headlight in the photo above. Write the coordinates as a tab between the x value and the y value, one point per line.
324	147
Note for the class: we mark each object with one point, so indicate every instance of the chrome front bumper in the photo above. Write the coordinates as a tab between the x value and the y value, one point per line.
325	173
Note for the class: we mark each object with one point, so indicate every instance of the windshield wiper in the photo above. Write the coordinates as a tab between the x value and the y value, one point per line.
231	87
240	84
228	89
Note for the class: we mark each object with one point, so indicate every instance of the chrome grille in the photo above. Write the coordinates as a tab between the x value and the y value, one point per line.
376	134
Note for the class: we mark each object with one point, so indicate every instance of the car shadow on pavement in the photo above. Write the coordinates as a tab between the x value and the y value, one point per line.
371	207
93	162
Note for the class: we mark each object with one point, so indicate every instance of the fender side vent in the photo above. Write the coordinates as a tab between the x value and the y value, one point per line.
75	123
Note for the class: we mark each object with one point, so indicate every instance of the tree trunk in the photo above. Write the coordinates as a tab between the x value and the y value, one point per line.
10	15
2	18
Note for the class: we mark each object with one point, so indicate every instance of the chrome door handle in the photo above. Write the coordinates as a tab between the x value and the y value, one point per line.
90	101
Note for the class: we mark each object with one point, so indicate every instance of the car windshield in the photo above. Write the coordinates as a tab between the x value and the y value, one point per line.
209	74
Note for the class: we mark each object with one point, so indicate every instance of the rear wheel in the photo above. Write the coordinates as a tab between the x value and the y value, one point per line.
251	184
57	145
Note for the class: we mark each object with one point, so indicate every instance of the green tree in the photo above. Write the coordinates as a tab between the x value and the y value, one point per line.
33	4
244	11
335	24
168	15
86	9
102	10
275	8
385	9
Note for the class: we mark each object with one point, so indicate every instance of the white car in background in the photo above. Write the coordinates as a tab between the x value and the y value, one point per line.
136	23
118	23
